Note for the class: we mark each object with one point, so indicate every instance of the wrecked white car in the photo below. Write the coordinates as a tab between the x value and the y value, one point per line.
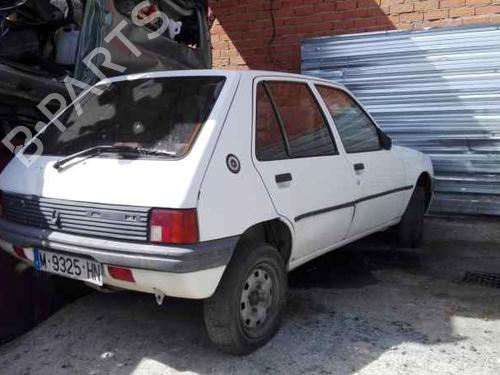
210	185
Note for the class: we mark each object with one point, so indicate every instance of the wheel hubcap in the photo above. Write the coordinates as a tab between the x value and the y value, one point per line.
256	299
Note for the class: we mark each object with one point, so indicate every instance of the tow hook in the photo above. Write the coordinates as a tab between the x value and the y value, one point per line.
159	296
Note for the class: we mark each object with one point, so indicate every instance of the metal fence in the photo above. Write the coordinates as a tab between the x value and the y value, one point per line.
436	90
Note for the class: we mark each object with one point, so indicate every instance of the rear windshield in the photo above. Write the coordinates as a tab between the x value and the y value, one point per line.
162	114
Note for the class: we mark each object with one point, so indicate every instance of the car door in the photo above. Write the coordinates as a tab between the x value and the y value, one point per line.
379	173
308	180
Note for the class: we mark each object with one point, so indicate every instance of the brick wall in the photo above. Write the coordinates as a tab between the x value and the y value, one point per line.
266	34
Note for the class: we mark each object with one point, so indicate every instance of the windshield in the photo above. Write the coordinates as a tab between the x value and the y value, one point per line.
163	114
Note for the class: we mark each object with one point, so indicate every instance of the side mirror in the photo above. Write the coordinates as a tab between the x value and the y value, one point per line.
385	140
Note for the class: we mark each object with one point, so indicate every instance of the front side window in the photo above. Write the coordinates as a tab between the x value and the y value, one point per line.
306	128
163	114
357	131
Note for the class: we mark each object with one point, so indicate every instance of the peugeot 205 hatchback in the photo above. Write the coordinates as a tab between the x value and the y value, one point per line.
209	185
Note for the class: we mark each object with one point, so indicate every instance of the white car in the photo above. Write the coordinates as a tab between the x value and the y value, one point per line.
209	185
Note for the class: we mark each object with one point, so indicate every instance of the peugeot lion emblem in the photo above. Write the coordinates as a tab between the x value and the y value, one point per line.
56	218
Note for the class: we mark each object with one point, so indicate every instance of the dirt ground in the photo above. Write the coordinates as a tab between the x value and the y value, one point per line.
369	309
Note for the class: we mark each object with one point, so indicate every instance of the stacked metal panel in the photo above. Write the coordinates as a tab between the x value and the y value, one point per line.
436	90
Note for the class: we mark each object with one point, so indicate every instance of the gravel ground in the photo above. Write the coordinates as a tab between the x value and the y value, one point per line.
370	309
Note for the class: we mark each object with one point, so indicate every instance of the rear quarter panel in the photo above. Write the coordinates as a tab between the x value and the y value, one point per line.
229	203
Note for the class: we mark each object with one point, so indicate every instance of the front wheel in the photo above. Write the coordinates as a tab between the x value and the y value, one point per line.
246	310
411	228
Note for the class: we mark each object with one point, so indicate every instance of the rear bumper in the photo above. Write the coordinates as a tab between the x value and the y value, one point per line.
173	259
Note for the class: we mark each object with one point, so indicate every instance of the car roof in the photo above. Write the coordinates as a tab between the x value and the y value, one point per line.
235	74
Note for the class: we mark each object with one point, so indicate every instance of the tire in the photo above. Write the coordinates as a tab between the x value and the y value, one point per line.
247	308
411	228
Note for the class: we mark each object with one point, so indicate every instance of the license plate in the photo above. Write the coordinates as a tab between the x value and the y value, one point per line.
69	266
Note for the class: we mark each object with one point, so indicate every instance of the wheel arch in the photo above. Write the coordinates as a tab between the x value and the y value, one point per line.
425	180
274	232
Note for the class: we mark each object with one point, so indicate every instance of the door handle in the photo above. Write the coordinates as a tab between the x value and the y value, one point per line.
359	167
284	177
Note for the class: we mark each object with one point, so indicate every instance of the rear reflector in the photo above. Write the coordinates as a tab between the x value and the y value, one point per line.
173	226
20	252
119	273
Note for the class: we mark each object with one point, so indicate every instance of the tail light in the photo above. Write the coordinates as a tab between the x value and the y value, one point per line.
173	226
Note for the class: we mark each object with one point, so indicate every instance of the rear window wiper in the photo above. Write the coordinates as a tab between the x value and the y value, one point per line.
96	150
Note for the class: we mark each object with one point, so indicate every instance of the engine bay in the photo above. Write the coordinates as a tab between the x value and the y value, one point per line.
42	36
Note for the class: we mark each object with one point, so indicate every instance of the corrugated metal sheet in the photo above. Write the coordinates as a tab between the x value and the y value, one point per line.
435	90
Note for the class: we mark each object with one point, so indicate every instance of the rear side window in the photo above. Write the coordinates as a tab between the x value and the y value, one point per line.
163	114
357	131
269	142
306	128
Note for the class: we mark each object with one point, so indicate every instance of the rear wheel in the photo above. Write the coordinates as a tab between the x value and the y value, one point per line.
411	228
246	310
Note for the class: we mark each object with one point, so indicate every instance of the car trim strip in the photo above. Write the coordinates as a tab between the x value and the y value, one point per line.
351	204
403	188
324	210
